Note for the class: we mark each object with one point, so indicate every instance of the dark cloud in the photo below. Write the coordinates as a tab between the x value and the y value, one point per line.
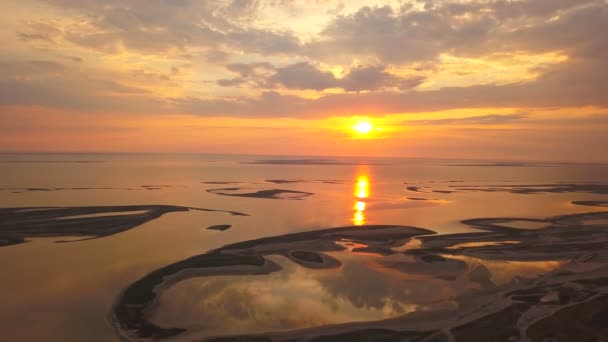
251	69
304	76
376	77
361	78
574	31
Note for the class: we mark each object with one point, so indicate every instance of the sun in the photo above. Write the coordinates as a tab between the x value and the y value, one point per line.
363	127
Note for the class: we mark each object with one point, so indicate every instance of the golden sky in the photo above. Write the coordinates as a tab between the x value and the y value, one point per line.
473	79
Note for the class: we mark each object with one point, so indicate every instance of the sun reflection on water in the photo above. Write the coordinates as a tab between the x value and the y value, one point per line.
359	206
361	193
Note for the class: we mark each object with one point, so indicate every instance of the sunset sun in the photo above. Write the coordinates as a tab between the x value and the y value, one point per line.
363	127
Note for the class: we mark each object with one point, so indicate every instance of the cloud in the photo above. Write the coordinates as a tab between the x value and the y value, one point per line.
145	61
22	70
253	73
251	69
162	27
574	31
45	37
376	77
268	65
304	76
215	56
567	86
382	33
52	84
489	119
37	31
231	82
409	34
56	85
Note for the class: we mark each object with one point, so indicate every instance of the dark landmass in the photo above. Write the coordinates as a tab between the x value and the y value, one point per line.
365	335
508	164
307	256
563	238
10	239
591	203
587	323
383	335
539	308
89	222
53	161
419	189
22	190
48	189
499	326
373	234
523	189
220	227
230	212
159	187
418	199
265	193
290	181
18	224
539	188
402	204
307	162
241	339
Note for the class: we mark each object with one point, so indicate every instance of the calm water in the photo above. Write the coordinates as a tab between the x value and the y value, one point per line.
64	291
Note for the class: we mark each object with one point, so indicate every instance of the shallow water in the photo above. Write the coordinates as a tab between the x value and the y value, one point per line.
295	298
65	291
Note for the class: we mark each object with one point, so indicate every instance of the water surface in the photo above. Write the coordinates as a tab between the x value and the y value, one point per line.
65	291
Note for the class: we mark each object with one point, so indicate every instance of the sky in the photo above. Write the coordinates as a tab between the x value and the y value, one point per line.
495	79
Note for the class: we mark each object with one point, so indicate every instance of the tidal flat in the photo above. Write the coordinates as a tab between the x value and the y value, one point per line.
481	307
223	248
18	224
